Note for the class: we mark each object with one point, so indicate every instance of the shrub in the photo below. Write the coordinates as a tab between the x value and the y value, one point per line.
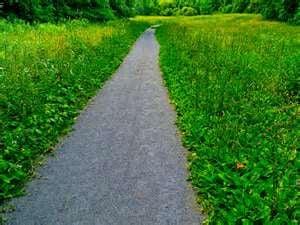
165	4
188	11
240	5
206	7
284	10
167	12
296	18
253	7
227	9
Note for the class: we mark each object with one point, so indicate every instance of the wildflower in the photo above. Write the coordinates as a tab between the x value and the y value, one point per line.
240	166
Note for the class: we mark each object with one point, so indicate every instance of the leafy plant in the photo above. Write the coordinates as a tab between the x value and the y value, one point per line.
188	11
47	74
237	99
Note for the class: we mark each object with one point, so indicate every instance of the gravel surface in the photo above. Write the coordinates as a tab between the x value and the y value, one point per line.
123	164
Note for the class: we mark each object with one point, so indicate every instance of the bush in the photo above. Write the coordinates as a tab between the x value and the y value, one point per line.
121	8
167	4
167	12
284	10
253	7
106	14
206	7
227	9
296	18
240	6
188	11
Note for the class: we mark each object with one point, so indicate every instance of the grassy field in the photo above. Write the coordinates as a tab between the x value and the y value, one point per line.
234	80
47	74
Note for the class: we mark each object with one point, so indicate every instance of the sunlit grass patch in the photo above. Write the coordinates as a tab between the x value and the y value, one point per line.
47	74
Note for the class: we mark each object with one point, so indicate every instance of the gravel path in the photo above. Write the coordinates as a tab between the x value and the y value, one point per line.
123	164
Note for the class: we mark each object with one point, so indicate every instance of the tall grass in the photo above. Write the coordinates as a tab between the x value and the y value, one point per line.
235	82
47	74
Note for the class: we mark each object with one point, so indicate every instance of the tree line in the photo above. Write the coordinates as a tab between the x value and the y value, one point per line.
49	10
284	10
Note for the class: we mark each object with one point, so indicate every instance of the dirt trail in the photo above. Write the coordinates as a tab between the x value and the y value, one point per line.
123	164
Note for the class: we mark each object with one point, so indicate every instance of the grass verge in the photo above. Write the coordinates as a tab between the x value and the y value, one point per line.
234	80
47	74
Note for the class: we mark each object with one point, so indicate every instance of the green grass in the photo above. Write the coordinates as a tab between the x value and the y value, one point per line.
47	74
234	80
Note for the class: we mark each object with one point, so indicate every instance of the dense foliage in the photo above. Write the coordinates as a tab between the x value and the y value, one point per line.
285	10
47	74
237	98
51	10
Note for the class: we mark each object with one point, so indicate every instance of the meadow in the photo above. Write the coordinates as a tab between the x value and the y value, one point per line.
234	80
48	73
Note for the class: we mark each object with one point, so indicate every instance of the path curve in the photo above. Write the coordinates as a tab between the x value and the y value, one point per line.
123	164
